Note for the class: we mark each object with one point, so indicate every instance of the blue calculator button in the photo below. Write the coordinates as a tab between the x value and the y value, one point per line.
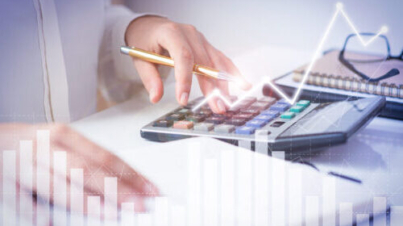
283	101
270	113
279	107
266	118
245	130
256	123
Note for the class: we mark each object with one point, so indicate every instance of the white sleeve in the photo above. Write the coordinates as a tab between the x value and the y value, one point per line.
118	79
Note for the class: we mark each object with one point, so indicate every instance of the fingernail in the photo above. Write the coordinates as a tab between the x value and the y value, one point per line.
152	94
221	106
184	98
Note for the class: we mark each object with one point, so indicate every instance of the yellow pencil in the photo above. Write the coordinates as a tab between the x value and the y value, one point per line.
164	60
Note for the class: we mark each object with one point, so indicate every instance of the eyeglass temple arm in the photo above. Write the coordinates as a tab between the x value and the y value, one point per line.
391	73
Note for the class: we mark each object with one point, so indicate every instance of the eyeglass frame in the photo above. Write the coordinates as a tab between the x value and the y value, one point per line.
346	63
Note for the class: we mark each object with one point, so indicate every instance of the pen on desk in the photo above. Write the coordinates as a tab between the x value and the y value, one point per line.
339	175
345	177
164	60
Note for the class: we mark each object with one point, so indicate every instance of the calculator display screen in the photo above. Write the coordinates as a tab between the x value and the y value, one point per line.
326	118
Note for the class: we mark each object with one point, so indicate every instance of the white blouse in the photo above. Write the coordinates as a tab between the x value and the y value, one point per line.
54	54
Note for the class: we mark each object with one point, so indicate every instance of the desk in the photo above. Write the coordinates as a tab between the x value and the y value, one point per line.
374	154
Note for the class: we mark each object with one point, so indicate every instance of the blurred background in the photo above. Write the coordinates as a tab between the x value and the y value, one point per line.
237	25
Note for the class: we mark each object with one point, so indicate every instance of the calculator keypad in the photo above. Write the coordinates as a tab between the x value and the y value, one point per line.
245	118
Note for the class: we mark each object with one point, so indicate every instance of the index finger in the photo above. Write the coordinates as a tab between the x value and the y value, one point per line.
177	45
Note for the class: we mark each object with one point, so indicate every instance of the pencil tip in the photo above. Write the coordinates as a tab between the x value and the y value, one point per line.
124	50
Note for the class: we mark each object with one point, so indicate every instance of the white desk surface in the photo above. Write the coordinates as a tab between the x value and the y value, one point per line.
374	155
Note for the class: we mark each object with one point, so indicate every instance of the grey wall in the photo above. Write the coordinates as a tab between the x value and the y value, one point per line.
239	24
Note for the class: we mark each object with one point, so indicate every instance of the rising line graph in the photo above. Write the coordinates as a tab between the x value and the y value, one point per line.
339	11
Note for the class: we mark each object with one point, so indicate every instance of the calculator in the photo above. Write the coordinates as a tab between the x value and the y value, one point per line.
269	123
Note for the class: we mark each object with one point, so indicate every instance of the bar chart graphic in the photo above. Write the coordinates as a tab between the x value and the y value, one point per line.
223	188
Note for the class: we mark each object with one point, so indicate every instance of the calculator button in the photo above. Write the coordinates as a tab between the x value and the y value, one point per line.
215	120
256	123
195	118
235	109
277	124
243	116
243	104
260	105
203	126
245	130
218	116
184	111
270	100
279	107
297	109
175	117
183	125
266	118
206	113
224	128
288	115
283	101
304	103
229	114
271	113
225	115
253	112
163	123
235	122
250	99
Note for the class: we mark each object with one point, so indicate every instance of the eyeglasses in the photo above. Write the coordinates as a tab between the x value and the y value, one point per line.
384	56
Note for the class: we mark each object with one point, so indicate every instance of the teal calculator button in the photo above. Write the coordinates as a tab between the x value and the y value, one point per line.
297	108
304	103
288	115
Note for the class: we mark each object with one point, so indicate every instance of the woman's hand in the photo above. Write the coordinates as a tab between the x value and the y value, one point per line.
186	46
96	162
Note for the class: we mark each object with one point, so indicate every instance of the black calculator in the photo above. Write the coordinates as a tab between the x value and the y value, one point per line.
267	123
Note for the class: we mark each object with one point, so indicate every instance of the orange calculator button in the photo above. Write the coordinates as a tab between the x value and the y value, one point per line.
183	125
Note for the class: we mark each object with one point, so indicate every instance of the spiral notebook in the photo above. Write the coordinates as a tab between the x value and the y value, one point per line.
330	80
329	72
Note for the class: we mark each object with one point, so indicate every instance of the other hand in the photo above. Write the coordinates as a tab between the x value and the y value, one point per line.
96	162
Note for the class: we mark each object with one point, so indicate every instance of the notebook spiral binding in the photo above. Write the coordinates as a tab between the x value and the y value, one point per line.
348	84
